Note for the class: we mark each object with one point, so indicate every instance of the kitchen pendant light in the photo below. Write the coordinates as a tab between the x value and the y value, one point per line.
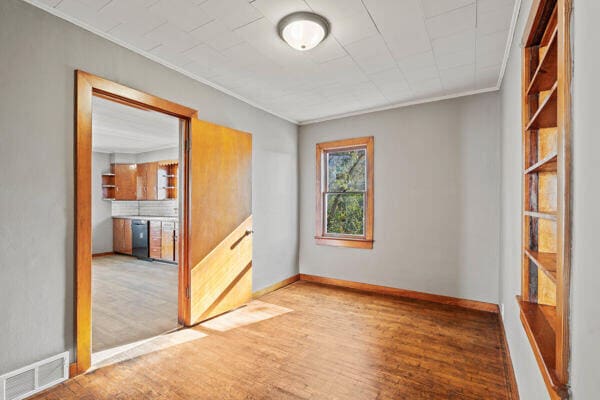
303	30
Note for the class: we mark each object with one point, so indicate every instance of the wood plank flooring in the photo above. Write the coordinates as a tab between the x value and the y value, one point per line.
131	300
318	342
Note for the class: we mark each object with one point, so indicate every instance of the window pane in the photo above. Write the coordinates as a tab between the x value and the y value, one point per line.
346	171
345	213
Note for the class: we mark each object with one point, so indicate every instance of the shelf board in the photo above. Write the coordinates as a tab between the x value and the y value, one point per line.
109	186
539	322
108	198
108	174
545	116
546	73
547	164
544	215
545	262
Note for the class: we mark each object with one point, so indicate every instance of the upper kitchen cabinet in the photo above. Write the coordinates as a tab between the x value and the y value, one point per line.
147	181
125	181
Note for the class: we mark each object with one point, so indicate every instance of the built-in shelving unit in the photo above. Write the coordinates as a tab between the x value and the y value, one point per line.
544	298
108	186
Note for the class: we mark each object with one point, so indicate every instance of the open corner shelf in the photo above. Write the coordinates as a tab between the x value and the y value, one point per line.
545	263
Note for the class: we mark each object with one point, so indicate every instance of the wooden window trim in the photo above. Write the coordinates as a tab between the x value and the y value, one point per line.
321	238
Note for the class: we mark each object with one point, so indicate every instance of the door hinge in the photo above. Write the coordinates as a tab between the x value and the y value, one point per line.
187	292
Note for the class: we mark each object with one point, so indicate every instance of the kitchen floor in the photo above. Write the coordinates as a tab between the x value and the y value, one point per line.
132	300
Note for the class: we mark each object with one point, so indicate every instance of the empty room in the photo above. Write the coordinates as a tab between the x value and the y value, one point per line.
299	199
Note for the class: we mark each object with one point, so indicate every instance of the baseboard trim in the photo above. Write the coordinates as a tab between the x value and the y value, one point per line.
108	253
73	370
510	372
276	286
391	291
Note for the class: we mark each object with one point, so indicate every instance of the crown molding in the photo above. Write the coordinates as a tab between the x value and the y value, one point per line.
509	42
398	105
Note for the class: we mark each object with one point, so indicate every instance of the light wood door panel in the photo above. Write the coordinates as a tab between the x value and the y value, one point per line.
127	237
125	181
220	220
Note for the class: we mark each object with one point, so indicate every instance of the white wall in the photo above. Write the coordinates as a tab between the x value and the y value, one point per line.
102	234
39	53
437	183
585	274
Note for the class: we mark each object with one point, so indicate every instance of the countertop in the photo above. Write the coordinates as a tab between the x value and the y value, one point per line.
147	217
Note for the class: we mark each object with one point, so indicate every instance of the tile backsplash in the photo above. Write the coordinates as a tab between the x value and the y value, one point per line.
162	208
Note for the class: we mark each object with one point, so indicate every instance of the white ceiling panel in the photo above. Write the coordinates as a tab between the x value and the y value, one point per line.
452	22
379	53
431	8
117	128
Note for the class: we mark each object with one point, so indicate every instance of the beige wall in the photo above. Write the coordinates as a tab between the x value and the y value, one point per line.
38	56
437	176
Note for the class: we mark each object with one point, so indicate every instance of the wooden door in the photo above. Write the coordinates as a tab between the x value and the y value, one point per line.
155	239
118	244
167	241
125	181
127	237
220	220
141	181
152	181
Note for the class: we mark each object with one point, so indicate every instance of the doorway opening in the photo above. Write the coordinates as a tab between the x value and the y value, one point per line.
212	182
136	154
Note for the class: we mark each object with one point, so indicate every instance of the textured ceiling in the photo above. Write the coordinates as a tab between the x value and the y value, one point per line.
117	128
380	52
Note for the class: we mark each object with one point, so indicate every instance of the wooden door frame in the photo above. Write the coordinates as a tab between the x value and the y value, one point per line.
87	86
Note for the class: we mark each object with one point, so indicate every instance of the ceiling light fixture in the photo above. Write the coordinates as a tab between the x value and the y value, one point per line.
303	30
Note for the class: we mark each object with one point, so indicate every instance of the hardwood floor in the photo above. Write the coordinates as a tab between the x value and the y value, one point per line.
310	341
131	300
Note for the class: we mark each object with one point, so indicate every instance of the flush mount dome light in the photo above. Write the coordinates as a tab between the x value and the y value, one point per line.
303	30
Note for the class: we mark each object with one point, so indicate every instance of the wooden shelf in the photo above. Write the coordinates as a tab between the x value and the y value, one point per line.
546	262
539	322
108	174
546	74
544	215
548	164
545	116
112	198
108	186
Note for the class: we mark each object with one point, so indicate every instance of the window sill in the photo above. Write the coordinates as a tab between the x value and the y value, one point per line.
344	242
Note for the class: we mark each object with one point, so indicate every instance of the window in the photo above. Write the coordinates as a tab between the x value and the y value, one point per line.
345	193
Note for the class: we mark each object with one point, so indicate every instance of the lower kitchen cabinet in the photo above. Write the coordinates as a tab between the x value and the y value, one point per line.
122	242
155	239
168	241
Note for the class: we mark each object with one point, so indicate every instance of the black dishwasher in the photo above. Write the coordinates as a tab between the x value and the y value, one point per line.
139	232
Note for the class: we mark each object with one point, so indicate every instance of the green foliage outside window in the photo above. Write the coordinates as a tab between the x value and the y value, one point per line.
345	198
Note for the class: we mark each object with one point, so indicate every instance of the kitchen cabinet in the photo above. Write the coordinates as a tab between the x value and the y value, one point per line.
167	241
125	181
122	236
147	181
155	239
